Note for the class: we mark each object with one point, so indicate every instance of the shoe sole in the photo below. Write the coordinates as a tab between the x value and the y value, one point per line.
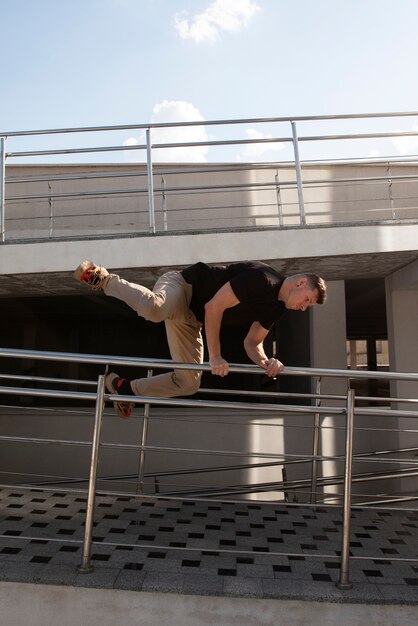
81	270
78	273
121	408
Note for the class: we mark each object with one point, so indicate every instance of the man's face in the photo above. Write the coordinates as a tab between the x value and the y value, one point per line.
301	296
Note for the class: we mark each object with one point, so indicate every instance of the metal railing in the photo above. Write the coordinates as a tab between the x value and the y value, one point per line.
164	201
347	410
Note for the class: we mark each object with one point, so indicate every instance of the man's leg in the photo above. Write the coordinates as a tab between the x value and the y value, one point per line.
170	292
186	346
169	298
169	301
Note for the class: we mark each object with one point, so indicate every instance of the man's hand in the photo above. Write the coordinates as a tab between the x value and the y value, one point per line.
272	366
219	366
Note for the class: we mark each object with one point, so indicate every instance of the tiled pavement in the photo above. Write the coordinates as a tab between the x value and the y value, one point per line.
208	548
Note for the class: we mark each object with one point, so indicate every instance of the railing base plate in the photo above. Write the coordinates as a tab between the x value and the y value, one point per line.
344	586
82	569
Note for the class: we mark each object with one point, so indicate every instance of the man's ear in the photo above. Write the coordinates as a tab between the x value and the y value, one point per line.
302	282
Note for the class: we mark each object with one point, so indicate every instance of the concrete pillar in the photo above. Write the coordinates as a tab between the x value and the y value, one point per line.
402	316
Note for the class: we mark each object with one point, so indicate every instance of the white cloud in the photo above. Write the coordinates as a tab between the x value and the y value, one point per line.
406	145
255	151
131	141
222	15
174	111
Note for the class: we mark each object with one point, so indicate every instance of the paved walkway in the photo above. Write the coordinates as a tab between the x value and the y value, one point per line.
208	548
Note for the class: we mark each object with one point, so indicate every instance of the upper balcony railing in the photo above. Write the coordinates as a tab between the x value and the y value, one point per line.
205	175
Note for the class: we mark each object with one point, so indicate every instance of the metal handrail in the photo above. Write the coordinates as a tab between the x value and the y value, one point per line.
219	142
96	359
253	120
99	397
241	392
149	146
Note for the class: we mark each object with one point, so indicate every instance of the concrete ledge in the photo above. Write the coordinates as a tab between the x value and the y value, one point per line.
362	251
183	249
36	605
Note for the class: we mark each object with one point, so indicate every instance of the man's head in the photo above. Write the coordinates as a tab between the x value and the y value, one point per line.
301	291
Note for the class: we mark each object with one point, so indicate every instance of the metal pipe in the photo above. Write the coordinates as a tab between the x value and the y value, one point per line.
390	193
43	379
286	394
86	566
224	468
144	435
167	363
217	550
2	187
84	395
317	183
279	199
150	178
138	173
168	497
196	144
315	443
164	204
46	393
394	159
305	118
278	394
344	582
209	188
298	174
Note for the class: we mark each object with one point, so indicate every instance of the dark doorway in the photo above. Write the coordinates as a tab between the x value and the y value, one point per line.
367	332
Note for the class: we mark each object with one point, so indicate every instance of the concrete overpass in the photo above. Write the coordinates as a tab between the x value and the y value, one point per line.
337	252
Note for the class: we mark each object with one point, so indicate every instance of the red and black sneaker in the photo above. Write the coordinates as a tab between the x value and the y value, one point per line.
90	274
116	385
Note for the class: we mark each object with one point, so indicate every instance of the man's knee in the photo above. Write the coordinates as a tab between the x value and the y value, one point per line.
188	381
153	309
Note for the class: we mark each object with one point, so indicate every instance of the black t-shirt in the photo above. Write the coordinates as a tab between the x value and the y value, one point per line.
255	284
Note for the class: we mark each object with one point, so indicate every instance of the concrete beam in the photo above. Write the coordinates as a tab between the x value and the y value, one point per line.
215	247
338	252
406	278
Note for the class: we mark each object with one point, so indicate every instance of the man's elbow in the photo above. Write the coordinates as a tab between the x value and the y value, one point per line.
249	345
209	307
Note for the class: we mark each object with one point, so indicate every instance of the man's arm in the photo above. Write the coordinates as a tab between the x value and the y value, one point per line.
254	347
214	310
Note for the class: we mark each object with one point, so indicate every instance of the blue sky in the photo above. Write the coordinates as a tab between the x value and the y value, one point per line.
69	63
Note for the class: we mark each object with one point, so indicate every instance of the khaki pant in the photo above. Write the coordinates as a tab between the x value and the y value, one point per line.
169	302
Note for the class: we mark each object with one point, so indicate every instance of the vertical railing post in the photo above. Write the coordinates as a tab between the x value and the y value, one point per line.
51	211
279	200
390	193
344	581
298	175
151	212
86	566
144	435
2	187
164	203
315	443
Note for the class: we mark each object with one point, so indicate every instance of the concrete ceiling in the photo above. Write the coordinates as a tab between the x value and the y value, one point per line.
356	266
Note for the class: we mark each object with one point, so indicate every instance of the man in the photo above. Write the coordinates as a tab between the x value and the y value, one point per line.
249	292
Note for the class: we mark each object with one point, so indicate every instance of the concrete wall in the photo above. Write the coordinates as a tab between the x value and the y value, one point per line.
238	198
402	309
79	199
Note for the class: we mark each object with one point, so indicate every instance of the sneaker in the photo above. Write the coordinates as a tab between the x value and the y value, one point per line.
113	384
90	274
